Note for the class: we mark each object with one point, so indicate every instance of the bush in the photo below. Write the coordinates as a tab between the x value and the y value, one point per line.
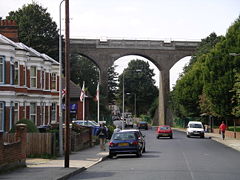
31	127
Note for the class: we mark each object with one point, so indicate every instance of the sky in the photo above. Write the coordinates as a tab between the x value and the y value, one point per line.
167	20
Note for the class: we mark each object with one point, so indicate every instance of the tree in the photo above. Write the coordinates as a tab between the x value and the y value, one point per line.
207	84
36	28
83	69
236	96
139	83
112	85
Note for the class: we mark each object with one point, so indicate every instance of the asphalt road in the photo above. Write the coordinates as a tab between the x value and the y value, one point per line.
180	158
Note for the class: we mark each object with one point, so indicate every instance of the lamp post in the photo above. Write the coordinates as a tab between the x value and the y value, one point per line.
136	70
135	105
60	85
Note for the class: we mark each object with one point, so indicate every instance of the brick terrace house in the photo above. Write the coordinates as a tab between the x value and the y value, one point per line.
29	85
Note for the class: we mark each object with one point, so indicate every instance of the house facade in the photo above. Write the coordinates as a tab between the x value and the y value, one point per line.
29	84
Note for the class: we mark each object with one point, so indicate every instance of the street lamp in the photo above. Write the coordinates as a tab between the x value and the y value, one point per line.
135	103
60	85
136	70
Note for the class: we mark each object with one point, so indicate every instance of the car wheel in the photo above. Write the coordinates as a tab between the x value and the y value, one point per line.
188	136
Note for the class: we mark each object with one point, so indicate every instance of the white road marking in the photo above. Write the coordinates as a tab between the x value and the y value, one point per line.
188	166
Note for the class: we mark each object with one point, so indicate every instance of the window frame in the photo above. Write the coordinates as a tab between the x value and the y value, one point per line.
12	70
53	112
3	58
16	113
33	77
2	118
54	81
33	114
16	73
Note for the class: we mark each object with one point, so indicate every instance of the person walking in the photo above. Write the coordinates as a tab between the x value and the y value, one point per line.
102	135
222	129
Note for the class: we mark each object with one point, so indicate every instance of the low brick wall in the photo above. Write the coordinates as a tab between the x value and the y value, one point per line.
229	134
81	139
13	154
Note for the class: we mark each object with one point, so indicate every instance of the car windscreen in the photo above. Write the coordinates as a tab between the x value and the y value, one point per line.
124	136
164	128
195	126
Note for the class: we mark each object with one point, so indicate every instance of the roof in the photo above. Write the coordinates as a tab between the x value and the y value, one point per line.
32	52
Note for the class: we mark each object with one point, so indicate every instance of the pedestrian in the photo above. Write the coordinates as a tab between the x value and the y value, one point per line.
222	129
117	129
102	135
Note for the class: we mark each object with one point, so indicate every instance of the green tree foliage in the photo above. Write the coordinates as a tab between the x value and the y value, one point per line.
208	84
219	72
140	83
236	96
36	28
112	84
83	69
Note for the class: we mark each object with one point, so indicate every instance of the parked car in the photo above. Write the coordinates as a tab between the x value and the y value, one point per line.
142	125
88	123
129	141
164	131
195	128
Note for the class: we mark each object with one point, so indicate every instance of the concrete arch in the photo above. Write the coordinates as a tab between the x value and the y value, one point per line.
162	55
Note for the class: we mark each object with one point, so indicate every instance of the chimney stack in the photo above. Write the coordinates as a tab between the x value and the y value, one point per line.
9	29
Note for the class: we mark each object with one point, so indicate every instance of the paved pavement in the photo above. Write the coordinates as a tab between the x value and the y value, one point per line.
230	142
45	169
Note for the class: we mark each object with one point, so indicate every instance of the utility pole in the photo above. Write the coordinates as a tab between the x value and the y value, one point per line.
60	86
67	82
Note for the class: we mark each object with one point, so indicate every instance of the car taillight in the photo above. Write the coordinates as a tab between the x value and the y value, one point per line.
111	144
135	143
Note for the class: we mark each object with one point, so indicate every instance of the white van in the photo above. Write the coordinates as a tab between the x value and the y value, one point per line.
195	128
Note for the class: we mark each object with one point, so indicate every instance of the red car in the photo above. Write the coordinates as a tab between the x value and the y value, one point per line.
164	131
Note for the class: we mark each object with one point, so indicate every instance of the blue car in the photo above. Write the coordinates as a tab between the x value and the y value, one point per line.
129	141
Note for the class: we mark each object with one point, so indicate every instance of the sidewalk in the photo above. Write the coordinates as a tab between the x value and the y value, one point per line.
45	169
230	142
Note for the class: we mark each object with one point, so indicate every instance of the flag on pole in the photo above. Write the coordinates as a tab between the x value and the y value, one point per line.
82	95
63	92
97	93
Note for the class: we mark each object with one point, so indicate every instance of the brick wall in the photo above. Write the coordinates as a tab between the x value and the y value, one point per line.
14	154
229	134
